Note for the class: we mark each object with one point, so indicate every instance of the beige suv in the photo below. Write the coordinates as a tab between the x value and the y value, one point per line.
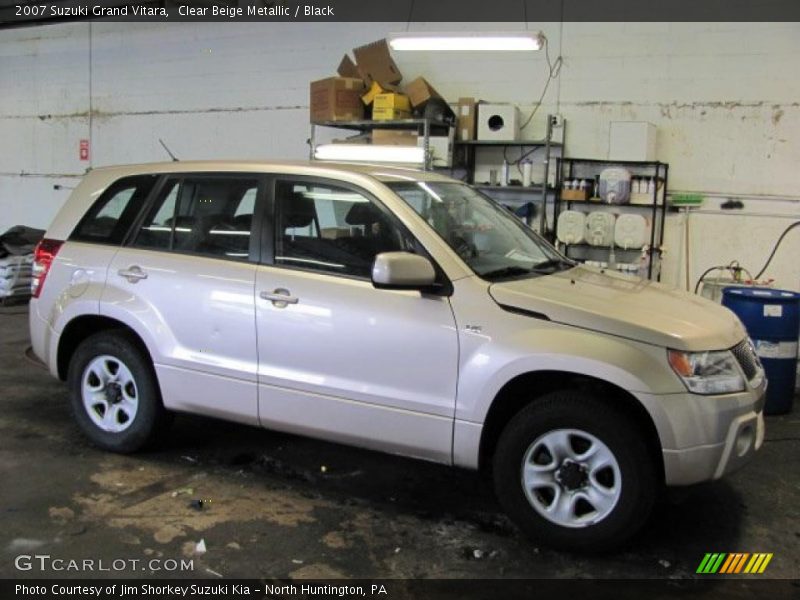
396	310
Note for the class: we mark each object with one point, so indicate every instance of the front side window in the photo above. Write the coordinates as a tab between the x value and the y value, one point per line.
332	229
202	215
112	215
492	241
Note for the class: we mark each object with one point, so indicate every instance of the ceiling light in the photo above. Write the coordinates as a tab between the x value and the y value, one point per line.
474	42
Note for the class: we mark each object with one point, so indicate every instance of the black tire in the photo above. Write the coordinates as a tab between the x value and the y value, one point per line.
151	419
613	427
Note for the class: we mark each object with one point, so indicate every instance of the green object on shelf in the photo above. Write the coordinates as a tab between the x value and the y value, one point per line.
686	199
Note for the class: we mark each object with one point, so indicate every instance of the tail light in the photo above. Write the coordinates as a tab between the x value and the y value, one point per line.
43	256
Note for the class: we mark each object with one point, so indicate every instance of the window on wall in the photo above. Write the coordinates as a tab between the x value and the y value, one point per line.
202	215
332	229
112	215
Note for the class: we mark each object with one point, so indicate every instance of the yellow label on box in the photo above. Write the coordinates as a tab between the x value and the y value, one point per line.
389	114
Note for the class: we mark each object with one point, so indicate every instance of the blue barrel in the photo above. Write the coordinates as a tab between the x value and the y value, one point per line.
772	319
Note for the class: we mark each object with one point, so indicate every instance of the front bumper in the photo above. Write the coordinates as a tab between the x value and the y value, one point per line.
706	437
703	463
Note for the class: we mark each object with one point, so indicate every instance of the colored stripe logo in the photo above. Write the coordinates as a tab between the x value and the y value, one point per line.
734	562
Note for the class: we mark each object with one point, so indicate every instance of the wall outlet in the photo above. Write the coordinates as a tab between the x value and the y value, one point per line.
558	120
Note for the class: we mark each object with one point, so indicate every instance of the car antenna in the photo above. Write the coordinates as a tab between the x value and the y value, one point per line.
171	155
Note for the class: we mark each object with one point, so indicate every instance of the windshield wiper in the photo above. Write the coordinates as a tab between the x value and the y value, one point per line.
551	265
513	271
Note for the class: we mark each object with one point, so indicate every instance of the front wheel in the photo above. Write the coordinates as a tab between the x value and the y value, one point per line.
574	472
114	393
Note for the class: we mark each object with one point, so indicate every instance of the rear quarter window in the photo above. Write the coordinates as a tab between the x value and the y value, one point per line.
111	216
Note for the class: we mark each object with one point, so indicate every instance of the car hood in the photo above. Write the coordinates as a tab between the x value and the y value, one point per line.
625	306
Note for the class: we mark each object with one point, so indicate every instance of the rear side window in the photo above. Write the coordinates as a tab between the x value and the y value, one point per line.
212	216
111	216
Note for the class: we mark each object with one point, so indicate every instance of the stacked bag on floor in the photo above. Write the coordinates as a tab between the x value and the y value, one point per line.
16	261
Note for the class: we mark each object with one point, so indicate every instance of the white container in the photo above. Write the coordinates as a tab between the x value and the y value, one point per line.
600	229
504	174
632	140
498	122
527	168
615	185
631	231
571	227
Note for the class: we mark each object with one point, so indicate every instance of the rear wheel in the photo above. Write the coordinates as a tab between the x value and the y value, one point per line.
114	393
574	472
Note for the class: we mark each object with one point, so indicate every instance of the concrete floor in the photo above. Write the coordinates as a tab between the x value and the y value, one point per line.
275	512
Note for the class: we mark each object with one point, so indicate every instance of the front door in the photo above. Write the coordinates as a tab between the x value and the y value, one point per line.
338	358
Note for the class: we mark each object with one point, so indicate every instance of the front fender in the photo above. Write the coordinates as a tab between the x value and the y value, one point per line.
490	361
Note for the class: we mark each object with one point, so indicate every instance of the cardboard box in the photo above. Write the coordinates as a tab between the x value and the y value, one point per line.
374	63
466	115
394	137
375	89
389	114
498	122
336	99
576	195
347	68
420	91
392	100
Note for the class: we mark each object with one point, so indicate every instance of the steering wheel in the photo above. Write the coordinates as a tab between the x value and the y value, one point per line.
462	247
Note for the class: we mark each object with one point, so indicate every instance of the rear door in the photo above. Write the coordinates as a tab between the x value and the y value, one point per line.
338	358
186	277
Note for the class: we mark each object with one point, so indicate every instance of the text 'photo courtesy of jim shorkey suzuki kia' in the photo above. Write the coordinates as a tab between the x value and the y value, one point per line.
396	310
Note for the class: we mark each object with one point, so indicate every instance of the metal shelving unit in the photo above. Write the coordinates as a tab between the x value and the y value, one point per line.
503	143
424	127
467	149
464	155
589	168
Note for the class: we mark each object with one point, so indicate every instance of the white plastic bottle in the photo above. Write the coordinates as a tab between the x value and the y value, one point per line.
643	263
527	167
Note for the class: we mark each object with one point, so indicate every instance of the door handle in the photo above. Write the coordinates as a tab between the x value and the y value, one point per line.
279	297
132	274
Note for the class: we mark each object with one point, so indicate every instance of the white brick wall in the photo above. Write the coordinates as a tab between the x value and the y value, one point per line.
723	95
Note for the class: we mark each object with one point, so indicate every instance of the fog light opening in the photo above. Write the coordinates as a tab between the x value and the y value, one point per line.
744	441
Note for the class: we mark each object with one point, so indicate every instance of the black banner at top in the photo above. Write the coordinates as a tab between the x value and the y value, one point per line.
27	12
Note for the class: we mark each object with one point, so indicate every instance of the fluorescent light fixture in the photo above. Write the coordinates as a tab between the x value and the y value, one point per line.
475	42
369	153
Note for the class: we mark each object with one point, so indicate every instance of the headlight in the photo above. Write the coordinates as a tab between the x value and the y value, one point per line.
707	372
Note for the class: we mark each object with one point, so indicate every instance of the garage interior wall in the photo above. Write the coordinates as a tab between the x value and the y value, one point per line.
724	97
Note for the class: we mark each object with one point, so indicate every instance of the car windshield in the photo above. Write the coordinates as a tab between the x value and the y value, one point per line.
489	238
